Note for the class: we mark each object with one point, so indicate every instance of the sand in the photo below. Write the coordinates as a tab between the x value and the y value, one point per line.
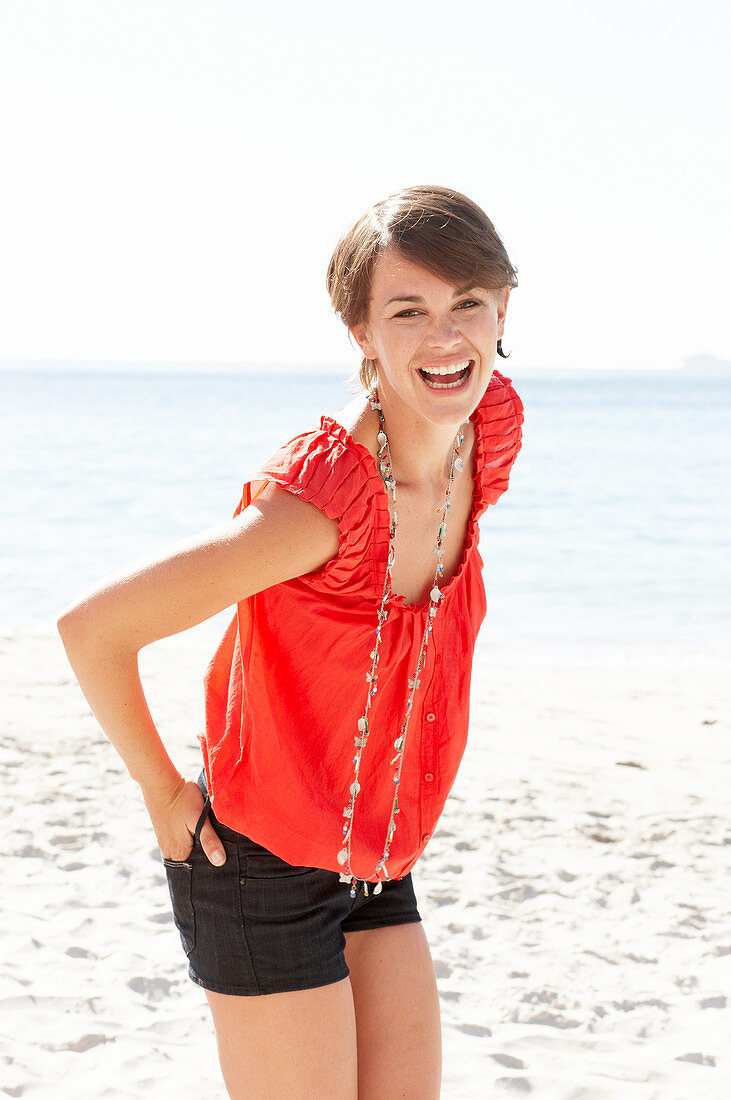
576	893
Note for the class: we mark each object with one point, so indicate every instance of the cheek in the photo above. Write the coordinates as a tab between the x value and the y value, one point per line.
397	342
480	330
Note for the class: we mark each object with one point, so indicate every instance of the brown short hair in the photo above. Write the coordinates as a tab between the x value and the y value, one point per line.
435	227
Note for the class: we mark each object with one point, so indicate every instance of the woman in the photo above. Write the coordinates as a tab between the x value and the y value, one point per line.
337	702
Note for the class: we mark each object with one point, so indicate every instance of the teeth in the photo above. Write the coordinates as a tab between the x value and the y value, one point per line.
444	385
464	369
447	370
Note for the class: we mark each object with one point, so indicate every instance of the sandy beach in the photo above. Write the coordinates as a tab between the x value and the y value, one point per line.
575	895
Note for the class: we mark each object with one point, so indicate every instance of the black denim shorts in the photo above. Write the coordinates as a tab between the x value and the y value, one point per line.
260	925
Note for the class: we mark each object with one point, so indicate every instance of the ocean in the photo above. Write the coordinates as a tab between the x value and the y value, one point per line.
616	529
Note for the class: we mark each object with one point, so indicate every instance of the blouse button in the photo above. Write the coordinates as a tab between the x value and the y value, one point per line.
426	837
429	777
430	716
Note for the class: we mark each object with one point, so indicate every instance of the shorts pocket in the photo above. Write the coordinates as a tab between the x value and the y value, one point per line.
180	883
264	864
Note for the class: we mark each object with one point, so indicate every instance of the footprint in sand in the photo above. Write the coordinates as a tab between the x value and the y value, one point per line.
478	1030
72	842
515	1084
31	852
713	1002
699	1059
86	1042
519	893
446	899
155	989
552	1019
508	1061
162	918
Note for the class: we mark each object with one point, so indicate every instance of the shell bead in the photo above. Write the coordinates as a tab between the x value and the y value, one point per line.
386	470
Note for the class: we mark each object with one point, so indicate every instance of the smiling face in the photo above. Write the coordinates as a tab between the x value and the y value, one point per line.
434	343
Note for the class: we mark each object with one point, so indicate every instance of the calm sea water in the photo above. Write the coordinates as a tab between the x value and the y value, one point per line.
616	528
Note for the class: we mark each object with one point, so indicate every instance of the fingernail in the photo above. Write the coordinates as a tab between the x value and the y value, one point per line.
218	857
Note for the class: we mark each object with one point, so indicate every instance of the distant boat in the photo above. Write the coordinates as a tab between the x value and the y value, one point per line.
706	363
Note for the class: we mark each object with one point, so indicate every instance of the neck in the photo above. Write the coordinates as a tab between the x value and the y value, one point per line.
421	451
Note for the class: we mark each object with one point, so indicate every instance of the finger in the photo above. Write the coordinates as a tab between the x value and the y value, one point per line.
211	845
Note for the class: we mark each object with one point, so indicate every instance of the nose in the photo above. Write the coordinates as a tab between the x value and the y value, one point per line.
443	332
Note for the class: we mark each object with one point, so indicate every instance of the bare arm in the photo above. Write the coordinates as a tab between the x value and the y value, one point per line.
274	539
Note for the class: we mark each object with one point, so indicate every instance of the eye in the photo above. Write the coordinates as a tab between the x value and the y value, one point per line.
469	303
407	313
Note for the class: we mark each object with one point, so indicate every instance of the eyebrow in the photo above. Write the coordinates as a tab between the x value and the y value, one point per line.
416	298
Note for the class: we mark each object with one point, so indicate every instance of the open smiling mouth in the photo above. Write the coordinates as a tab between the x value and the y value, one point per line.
447	378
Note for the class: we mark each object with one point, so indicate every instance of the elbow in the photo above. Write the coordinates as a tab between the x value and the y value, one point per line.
80	625
90	628
65	621
70	625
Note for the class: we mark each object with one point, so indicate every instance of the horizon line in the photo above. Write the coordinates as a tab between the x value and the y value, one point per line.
691	363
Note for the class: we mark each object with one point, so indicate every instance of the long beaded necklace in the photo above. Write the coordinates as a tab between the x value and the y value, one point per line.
361	738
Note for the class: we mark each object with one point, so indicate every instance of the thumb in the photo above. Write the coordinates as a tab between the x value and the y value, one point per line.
211	845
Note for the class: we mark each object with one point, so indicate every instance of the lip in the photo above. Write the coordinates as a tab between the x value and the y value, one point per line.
438	387
448	364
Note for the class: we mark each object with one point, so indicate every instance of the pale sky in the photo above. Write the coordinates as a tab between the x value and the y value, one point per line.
176	172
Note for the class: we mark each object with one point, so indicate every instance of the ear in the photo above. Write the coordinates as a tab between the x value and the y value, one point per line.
501	300
361	336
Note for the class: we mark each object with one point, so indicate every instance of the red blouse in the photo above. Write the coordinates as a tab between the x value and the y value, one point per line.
287	684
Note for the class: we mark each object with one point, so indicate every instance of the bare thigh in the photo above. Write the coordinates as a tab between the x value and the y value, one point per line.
396	1013
285	1045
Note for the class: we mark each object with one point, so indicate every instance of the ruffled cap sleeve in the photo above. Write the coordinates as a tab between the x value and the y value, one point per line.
499	421
325	468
